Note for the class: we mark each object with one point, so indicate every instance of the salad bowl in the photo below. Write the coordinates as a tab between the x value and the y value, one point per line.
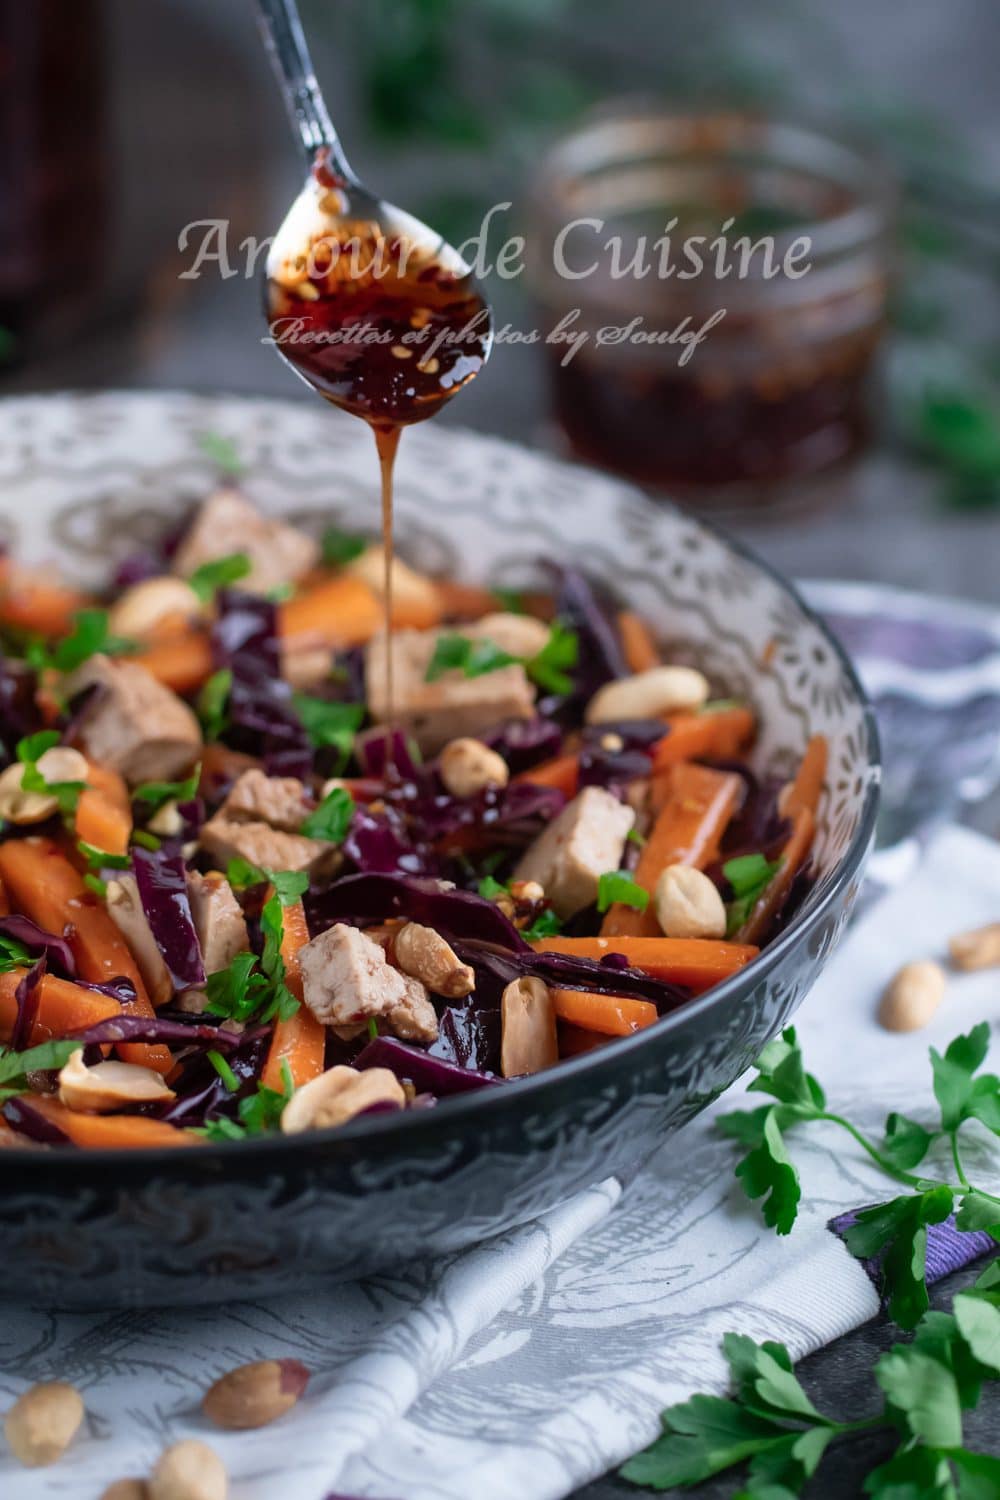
87	481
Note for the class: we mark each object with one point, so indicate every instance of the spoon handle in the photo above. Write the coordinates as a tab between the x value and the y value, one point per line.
286	43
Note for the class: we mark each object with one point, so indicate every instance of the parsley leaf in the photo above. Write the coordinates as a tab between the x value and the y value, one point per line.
332	818
222	452
767	1172
155	793
959	1095
749	875
13	955
897	1231
550	668
546	924
219	573
224	1071
15	1066
458	653
617	886
289	885
329	725
341	547
29	752
90	635
100	859
213	703
490	889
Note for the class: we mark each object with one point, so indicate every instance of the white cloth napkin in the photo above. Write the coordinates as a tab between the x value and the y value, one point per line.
519	1370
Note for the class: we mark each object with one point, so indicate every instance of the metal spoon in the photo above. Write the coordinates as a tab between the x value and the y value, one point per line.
369	305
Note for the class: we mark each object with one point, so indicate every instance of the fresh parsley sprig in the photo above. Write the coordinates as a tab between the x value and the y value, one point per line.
332	818
219	573
252	988
29	752
329	725
770	1423
153	794
213	704
896	1230
749	875
91	634
16	1066
259	1113
549	668
616	887
341	547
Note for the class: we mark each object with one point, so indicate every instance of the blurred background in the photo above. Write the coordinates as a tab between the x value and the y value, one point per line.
855	437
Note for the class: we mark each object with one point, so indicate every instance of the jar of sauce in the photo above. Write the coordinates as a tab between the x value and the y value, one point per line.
726	277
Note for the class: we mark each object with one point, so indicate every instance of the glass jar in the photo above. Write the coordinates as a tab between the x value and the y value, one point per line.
738	380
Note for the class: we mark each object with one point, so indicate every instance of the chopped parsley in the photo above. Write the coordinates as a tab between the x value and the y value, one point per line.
222	451
251	988
329	725
224	1071
100	859
15	1066
155	793
491	889
146	840
29	752
13	955
749	875
219	573
551	667
341	547
372	1029
90	635
259	1113
213	703
617	886
546	924
332	819
457	653
97	885
289	885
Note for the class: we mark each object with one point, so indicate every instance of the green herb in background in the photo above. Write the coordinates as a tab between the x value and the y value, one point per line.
341	547
546	924
550	669
222	452
213	703
329	725
155	793
29	752
457	653
896	1230
332	818
90	635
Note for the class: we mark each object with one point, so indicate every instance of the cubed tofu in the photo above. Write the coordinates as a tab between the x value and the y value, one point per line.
346	978
266	847
132	723
281	801
218	919
452	707
228	523
414	1019
583	843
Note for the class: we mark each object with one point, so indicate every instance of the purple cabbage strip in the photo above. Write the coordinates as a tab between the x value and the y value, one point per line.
155	1029
364	900
137	567
27	995
162	880
262	717
602	656
120	988
19	715
524	743
469	1035
432	1075
496	967
370	750
35	938
21	1113
201	1093
380	843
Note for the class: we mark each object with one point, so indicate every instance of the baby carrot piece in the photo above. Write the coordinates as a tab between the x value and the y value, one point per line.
341	611
693	963
563	773
719	734
637	643
104	812
806	789
686	832
30	602
573	1040
301	1040
772	898
110	1132
612	1015
42	884
182	662
62	1007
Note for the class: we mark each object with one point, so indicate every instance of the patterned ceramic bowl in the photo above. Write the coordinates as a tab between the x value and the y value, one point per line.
85	480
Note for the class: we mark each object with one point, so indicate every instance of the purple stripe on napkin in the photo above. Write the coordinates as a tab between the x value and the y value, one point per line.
948	1248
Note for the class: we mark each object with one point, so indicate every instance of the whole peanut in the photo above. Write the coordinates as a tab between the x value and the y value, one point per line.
43	1422
912	996
189	1471
253	1395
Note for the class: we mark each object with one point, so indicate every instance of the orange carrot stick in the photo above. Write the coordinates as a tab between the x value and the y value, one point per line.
694	963
104	812
110	1132
31	602
573	1039
806	789
563	773
686	832
465	601
301	1040
182	662
637	642
342	611
719	734
772	898
42	884
62	1007
612	1015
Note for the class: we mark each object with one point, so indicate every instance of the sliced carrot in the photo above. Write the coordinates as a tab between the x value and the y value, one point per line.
465	601
563	773
104	812
62	1007
718	734
29	601
806	789
612	1015
42	884
181	662
686	832
301	1040
694	963
573	1040
640	649
772	898
342	611
110	1132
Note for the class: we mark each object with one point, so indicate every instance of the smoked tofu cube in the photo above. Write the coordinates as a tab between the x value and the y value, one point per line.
228	523
256	797
583	843
346	977
453	706
268	848
218	920
132	723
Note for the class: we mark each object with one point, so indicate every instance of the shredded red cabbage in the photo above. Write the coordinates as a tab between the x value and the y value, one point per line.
26	996
56	949
262	717
21	1113
162	880
432	1075
524	743
591	615
496	967
155	1029
364	900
